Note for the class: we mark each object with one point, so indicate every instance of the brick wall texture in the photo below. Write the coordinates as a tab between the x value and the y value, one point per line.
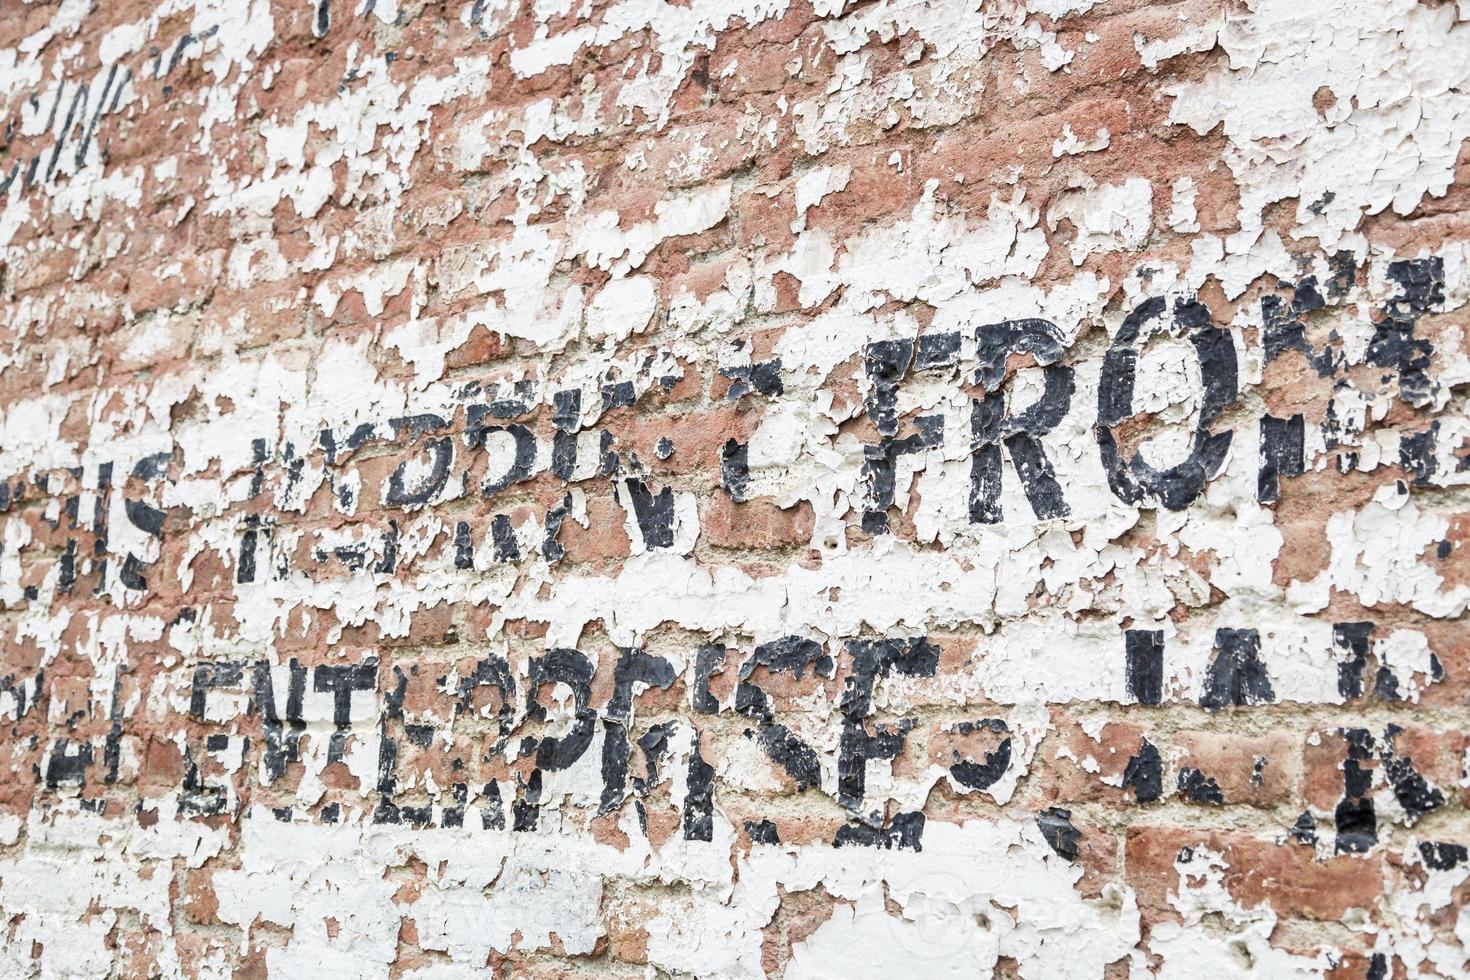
735	488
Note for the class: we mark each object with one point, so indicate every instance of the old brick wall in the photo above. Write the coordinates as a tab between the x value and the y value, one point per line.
723	488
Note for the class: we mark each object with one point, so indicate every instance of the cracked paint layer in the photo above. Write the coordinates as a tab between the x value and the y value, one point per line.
726	489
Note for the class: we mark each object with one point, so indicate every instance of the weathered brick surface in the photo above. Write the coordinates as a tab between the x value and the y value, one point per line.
724	489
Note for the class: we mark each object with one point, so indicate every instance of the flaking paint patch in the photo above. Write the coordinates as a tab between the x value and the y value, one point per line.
733	490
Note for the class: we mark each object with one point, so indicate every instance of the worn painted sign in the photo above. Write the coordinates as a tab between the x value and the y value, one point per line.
735	488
